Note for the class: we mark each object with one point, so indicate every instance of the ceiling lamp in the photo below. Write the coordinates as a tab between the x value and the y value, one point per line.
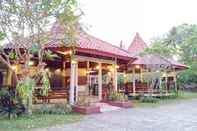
30	63
137	67
117	66
14	67
73	61
98	67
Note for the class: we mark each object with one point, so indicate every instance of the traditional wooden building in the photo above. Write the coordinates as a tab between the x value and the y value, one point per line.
92	69
149	71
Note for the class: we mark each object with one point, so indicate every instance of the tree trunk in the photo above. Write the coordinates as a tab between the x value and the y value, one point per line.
9	66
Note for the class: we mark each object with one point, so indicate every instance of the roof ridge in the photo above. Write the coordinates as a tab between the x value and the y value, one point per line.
106	42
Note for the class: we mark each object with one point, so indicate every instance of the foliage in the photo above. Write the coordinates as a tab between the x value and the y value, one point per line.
25	87
157	47
55	109
177	35
173	95
50	55
2	36
182	95
188	76
149	99
24	25
36	121
180	41
115	96
10	104
46	84
25	91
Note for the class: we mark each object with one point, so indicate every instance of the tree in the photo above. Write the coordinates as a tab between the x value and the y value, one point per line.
24	25
180	41
189	56
184	40
157	47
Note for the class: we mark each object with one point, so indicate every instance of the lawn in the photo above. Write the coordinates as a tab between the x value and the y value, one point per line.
181	97
37	121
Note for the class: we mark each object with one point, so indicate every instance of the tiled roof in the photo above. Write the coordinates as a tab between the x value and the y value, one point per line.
156	59
137	45
151	59
177	64
90	42
84	41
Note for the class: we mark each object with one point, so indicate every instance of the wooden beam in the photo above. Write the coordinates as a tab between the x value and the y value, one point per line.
92	59
133	80
115	79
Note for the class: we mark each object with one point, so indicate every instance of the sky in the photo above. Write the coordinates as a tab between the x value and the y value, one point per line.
116	20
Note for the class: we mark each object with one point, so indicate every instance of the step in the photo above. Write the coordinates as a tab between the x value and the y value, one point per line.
104	107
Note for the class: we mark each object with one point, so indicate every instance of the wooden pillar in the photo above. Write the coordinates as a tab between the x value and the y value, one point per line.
141	74
64	74
175	80
166	82
160	80
76	82
72	82
133	72
9	77
125	77
88	76
100	81
115	77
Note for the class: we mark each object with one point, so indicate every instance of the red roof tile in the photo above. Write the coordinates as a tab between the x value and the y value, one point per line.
137	45
178	65
151	59
90	42
84	41
156	59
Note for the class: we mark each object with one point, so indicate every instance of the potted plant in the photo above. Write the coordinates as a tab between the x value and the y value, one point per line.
84	106
119	100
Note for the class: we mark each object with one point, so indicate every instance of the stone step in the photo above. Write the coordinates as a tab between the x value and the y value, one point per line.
106	107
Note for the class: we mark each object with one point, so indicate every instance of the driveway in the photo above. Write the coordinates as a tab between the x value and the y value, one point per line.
174	117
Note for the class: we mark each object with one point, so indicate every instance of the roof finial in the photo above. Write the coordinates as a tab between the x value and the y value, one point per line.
137	34
121	44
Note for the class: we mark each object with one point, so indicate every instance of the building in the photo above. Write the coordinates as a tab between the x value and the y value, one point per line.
90	69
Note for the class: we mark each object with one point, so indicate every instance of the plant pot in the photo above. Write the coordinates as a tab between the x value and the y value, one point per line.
86	109
122	104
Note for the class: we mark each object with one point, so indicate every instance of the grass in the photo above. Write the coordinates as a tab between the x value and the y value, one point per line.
37	121
181	97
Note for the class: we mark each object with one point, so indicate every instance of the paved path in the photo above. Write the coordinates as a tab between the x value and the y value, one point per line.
175	117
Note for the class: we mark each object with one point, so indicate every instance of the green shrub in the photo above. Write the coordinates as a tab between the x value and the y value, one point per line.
137	97
149	99
10	104
55	109
115	96
173	95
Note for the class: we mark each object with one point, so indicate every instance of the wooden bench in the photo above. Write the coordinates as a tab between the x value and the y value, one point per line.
56	94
